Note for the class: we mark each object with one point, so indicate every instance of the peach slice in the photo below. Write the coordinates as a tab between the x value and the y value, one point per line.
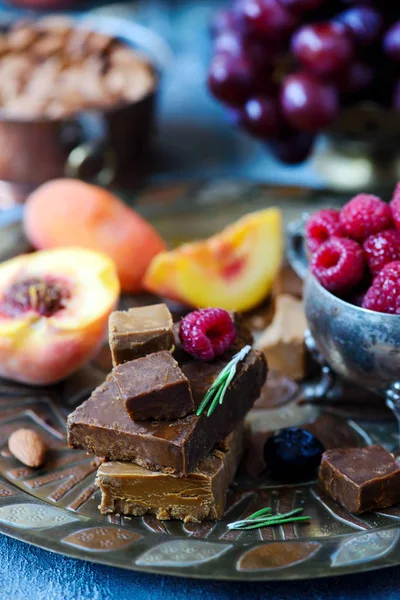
54	309
234	269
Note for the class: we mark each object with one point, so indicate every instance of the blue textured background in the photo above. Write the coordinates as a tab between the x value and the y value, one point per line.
194	140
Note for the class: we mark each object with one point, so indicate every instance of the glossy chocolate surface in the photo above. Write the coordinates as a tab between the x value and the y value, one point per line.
102	426
154	387
361	479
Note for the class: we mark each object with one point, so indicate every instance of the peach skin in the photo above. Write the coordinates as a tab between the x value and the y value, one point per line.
54	309
234	269
68	212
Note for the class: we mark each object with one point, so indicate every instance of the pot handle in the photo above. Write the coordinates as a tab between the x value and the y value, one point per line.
91	131
88	151
296	248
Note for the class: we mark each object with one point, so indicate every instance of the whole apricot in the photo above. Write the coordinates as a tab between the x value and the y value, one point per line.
54	309
69	212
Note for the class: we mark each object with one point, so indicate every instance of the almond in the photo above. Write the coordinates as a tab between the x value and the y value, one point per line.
28	447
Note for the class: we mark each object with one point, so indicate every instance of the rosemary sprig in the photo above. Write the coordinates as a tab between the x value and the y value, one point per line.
216	392
264	518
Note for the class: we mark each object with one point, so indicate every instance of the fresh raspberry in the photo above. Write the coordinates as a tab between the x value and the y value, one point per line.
384	294
365	215
381	249
321	226
338	264
207	333
395	206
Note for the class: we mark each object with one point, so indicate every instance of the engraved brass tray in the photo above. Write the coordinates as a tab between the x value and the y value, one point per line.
56	507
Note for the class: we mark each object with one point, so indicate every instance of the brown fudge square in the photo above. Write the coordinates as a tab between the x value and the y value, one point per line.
140	331
129	489
361	479
154	387
102	426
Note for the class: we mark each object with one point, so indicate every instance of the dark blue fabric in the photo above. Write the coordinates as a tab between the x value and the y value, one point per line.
27	572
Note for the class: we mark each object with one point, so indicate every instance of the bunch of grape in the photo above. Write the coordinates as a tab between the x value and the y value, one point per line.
284	68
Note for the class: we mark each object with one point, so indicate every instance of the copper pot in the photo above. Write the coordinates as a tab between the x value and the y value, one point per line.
97	145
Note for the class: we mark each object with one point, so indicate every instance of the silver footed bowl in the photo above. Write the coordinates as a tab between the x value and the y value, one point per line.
358	344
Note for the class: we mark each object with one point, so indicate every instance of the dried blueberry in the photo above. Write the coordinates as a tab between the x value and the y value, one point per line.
293	454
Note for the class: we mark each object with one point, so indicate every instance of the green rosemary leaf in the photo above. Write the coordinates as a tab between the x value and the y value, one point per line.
263	511
216	400
295	511
264	518
227	383
219	396
210	392
260	514
239	524
216	392
270	523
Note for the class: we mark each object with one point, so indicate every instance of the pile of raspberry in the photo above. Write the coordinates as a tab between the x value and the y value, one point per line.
355	252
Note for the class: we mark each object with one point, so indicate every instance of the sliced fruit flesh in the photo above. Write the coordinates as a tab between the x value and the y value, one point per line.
256	255
164	276
89	276
234	269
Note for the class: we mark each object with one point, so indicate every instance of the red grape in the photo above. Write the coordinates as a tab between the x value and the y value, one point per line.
294	147
228	42
224	20
262	54
391	42
262	57
308	103
323	48
266	18
301	5
356	77
261	117
365	24
230	79
284	83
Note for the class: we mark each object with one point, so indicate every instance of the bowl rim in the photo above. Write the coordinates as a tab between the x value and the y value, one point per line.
346	304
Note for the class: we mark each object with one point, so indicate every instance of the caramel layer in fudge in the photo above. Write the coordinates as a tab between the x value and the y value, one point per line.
131	490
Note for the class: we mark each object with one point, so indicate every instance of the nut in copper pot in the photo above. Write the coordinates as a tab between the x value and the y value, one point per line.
57	74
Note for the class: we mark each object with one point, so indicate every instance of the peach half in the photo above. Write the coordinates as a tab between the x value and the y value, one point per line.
54	309
234	269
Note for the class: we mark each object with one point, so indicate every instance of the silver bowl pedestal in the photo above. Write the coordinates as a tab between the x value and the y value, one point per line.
359	345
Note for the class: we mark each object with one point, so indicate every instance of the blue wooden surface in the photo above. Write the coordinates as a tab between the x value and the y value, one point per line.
29	573
194	140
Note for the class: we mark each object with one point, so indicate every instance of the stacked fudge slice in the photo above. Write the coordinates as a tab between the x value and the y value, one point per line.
161	458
